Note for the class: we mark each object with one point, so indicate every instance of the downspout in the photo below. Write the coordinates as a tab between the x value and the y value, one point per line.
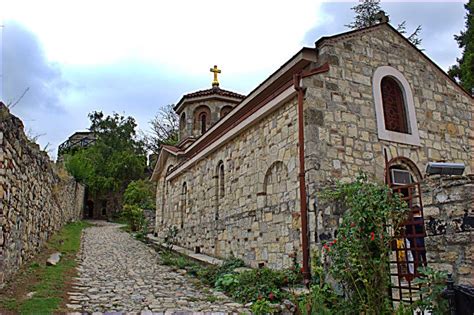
303	204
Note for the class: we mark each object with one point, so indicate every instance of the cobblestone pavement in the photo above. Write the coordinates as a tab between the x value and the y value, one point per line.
120	274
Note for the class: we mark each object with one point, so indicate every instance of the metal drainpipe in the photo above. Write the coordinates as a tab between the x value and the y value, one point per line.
303	204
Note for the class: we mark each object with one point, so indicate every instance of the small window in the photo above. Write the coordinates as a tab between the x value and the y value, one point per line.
394	109
182	121
184	200
203	122
221	181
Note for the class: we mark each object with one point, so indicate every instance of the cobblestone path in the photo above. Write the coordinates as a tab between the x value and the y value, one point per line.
120	274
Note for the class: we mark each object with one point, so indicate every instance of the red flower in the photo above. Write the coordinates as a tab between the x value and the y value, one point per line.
326	247
353	224
372	236
271	296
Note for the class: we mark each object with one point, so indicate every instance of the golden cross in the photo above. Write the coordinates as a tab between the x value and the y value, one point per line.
215	71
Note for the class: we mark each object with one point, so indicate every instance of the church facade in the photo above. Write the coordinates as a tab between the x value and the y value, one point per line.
244	178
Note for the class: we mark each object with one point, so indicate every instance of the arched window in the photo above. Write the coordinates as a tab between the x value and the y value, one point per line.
203	122
165	198
184	200
276	184
225	110
202	119
394	108
182	121
221	180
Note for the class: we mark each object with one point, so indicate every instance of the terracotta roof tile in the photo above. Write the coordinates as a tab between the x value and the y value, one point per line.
213	91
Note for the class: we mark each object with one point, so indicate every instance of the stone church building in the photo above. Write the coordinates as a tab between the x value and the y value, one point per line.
243	180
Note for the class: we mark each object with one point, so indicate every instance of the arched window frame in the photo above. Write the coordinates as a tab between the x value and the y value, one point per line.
182	121
225	110
184	201
413	136
202	119
203	122
221	180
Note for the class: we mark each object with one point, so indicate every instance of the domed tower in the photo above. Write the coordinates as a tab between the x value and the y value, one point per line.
199	110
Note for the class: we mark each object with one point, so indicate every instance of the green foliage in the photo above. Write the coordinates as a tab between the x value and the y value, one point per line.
432	284
134	216
51	280
227	282
259	283
366	15
248	286
366	12
359	255
115	159
321	300
464	70
170	238
261	307
140	193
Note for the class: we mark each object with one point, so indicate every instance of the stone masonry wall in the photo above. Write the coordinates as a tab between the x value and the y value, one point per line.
257	219
449	222
341	125
342	136
36	197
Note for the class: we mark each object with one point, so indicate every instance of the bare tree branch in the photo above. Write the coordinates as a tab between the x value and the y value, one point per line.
164	129
11	104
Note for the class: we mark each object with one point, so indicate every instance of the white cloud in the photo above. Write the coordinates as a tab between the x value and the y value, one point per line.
185	36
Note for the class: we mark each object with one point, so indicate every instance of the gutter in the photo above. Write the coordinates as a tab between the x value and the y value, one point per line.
302	172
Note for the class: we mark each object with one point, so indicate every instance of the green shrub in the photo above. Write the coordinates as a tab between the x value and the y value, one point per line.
261	307
358	258
140	193
261	283
433	283
134	217
227	282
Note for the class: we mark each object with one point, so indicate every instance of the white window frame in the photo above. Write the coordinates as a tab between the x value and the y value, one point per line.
413	137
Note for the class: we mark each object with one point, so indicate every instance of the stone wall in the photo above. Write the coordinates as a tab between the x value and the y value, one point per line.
449	222
341	139
191	125
36	197
342	134
256	218
448	210
341	124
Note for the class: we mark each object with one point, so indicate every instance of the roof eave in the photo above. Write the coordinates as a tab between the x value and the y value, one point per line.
184	100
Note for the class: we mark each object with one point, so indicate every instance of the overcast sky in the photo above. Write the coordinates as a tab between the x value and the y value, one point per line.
133	57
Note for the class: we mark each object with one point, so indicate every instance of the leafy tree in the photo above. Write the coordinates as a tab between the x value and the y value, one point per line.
164	129
464	70
367	14
115	159
140	193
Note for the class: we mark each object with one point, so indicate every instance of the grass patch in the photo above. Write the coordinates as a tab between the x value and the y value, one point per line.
49	282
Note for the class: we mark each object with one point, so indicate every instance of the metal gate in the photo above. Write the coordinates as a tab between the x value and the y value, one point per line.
408	249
